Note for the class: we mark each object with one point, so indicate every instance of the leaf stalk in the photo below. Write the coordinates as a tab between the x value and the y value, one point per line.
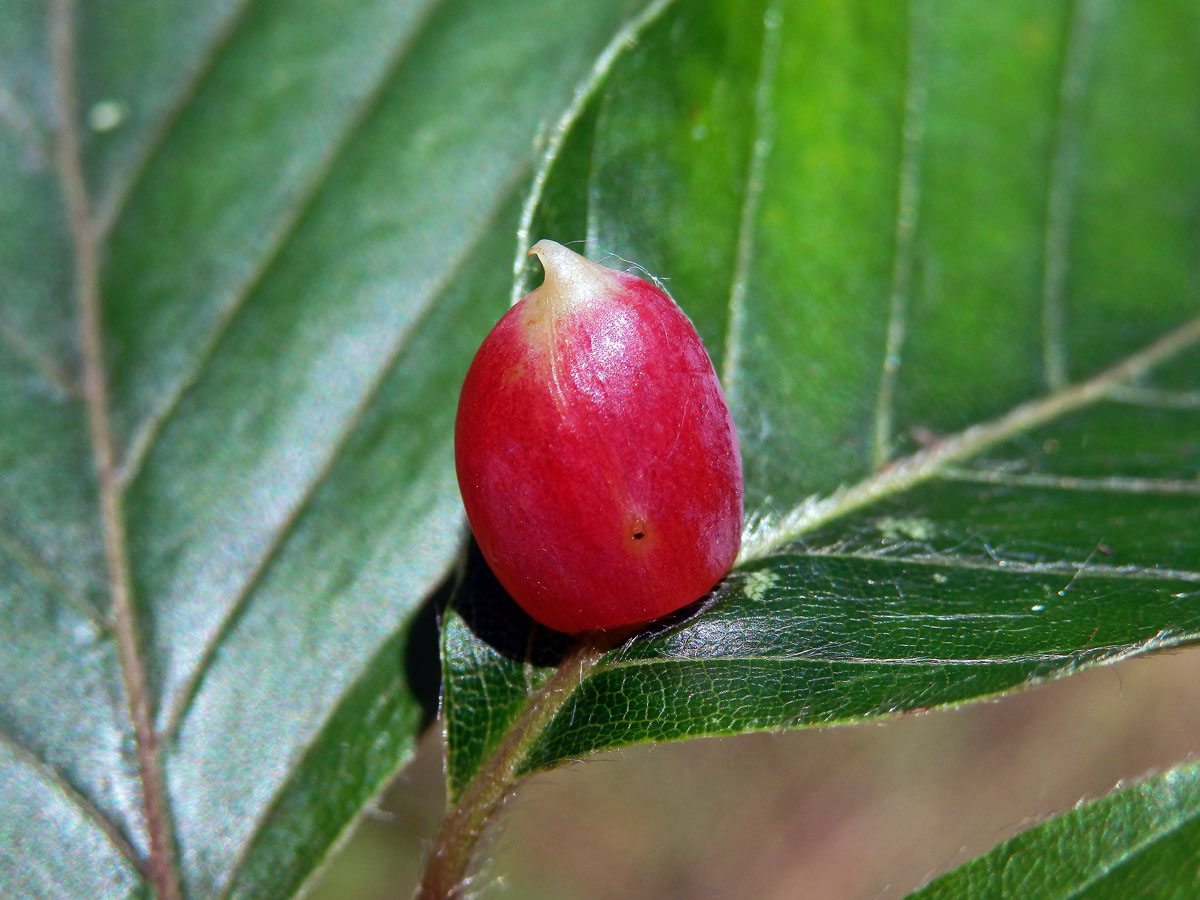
448	865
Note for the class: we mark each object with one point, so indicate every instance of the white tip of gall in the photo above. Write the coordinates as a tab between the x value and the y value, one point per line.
571	279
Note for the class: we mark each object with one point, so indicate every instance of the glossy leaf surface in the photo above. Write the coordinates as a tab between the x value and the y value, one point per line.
944	259
1139	842
282	226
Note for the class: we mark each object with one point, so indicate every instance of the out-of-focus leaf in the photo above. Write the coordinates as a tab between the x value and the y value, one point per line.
303	216
943	256
1138	842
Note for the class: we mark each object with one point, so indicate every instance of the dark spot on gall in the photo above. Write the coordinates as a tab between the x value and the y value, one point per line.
638	535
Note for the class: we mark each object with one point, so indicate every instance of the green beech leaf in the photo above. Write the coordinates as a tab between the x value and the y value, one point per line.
1138	842
245	253
944	258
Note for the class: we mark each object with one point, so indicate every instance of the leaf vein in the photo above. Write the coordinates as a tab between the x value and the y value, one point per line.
908	202
1064	162
112	205
55	779
768	535
1095	875
22	125
41	363
33	563
287	527
148	431
584	93
1156	398
1017	567
301	752
764	129
823	656
1110	485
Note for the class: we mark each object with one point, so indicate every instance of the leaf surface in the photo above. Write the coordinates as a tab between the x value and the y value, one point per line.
245	251
944	260
1139	841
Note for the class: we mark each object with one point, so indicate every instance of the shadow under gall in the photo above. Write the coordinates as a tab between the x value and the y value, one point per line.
422	653
491	614
495	618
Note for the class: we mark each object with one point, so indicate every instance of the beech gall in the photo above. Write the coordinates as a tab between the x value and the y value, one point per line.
597	459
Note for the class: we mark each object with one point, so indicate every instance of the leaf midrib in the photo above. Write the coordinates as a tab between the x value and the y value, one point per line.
160	864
